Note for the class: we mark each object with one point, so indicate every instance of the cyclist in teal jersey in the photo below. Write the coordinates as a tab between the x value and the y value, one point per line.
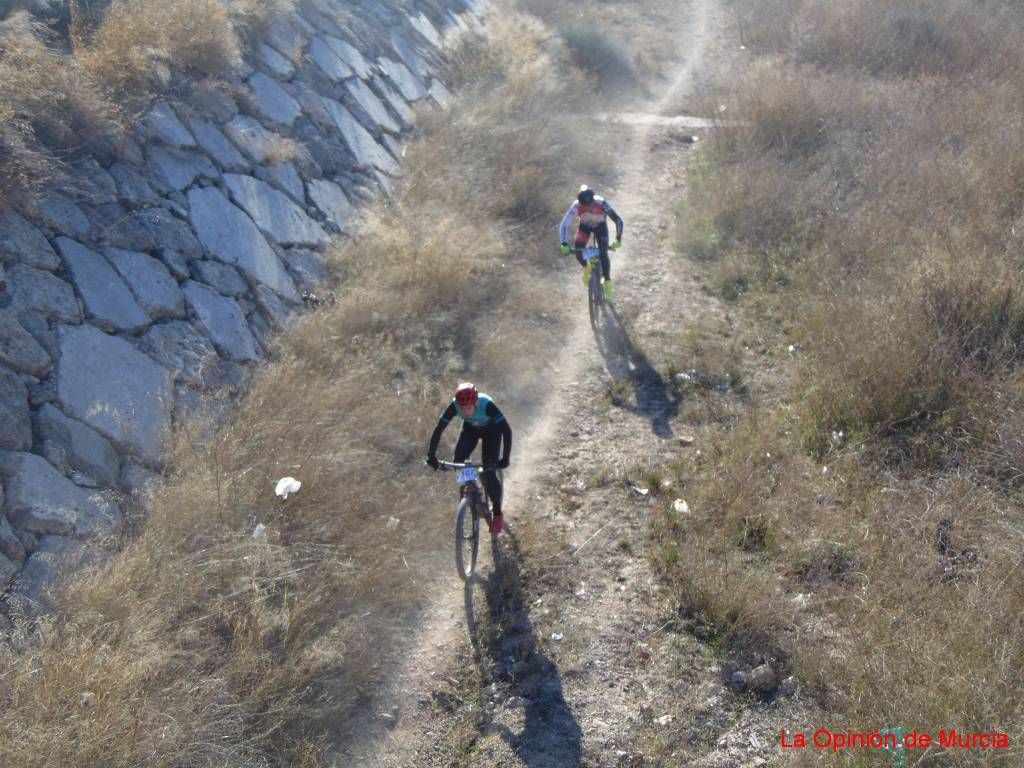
481	420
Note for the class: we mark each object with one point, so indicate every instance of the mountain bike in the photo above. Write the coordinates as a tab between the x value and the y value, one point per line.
473	505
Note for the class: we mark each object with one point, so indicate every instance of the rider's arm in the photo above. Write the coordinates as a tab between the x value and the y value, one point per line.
506	441
563	228
442	423
610	212
503	426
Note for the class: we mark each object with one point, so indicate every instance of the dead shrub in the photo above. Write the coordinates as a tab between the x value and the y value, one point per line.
49	111
135	42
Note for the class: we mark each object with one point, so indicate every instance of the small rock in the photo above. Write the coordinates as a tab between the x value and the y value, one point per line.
738	680
681	507
788	687
763	679
687	439
663	720
87	699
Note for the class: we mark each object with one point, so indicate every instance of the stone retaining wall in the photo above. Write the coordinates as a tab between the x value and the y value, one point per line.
126	303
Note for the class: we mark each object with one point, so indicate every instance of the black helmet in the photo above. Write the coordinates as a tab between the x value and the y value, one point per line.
586	195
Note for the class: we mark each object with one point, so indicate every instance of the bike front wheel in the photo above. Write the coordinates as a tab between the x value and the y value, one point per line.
467	539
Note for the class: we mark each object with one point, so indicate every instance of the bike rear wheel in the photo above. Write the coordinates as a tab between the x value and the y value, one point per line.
467	539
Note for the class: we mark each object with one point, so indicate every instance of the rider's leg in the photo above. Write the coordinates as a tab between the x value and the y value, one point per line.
467	441
602	245
492	444
579	243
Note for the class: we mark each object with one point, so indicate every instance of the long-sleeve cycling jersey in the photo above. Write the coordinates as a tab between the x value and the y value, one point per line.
485	416
591	215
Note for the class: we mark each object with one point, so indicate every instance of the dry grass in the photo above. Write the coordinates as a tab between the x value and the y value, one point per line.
204	646
49	111
870	192
55	105
133	45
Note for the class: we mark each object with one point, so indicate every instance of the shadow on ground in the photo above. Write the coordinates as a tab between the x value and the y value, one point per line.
507	652
655	399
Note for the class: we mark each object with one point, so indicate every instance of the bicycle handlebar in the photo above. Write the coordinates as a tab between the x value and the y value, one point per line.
452	465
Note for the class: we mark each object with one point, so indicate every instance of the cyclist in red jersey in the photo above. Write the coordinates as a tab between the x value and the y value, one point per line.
593	212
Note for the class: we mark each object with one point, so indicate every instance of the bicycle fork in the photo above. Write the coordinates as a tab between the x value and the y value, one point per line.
477	500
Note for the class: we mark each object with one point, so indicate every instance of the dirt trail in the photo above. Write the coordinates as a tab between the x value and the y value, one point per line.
568	658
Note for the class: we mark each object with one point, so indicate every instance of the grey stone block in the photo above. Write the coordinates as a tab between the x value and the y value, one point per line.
368	153
350	55
223	322
276	64
395	101
412	60
33	290
60	213
40	500
253	139
373	106
221	277
284	177
132	188
18	349
109	303
114	226
84	448
183	350
408	84
307	267
275	310
321	54
162	124
230	236
175	169
272	101
425	27
35	323
439	93
93	179
277	217
175	262
171	234
15	415
10	544
57	558
216	145
330	199
151	283
22	243
286	39
131	410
